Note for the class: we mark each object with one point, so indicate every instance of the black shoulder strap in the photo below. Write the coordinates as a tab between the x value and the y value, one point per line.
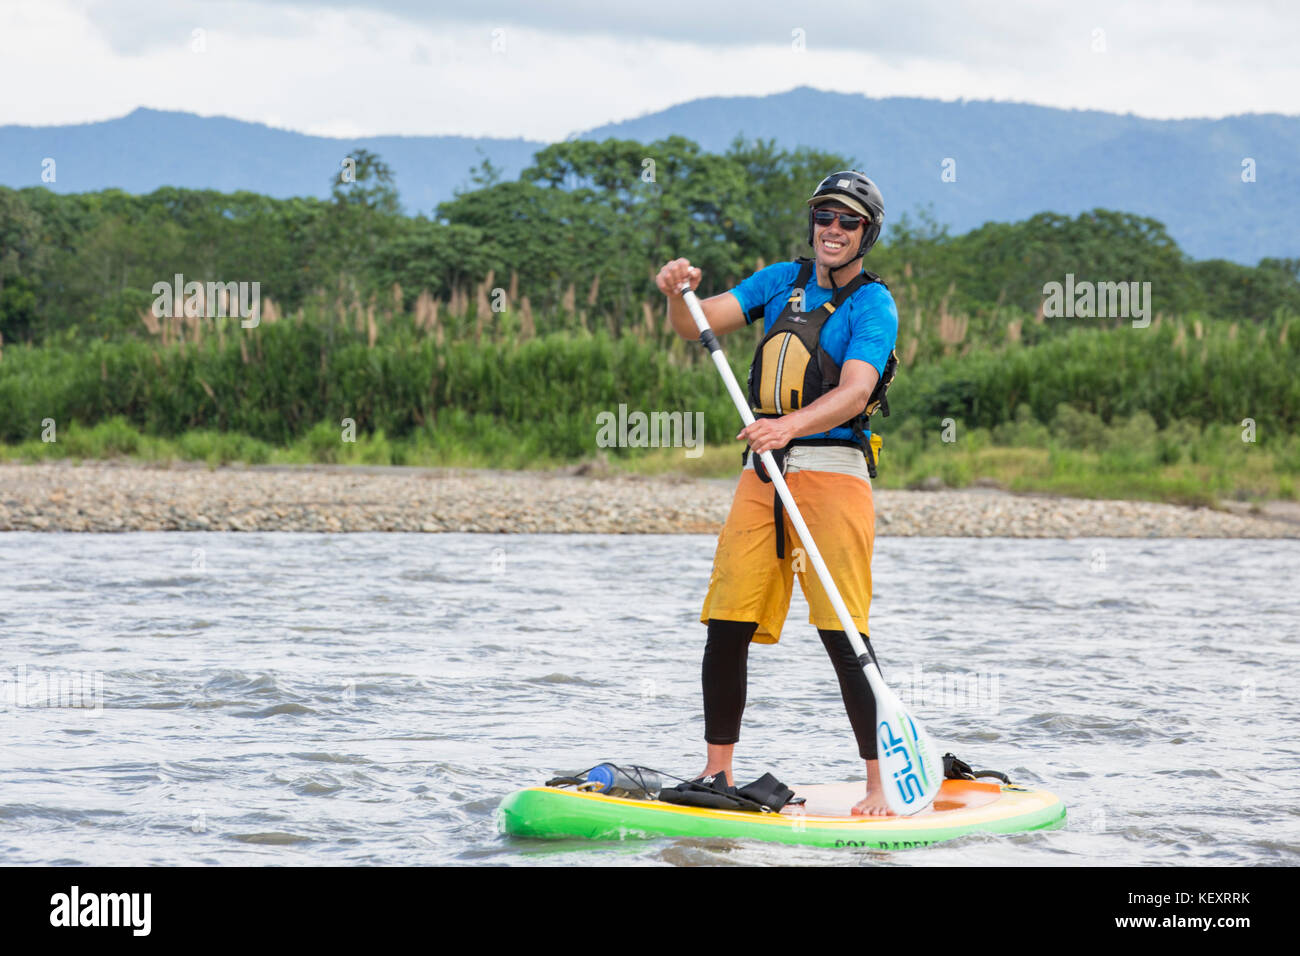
806	267
846	290
853	285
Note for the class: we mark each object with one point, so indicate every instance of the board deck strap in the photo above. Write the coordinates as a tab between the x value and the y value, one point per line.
962	807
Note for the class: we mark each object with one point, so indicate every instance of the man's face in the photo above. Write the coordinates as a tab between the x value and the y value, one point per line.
834	245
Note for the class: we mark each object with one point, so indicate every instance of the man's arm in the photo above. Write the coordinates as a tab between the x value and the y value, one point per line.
723	311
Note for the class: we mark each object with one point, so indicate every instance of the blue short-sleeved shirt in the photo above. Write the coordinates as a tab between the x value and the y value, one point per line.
864	328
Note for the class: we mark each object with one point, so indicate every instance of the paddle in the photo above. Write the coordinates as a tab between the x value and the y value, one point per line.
911	769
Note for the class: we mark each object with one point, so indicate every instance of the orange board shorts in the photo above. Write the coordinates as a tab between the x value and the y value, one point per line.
750	583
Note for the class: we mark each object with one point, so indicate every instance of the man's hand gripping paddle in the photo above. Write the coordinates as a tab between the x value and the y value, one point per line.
911	769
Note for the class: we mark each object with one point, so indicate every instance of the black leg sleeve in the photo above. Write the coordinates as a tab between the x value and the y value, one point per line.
725	670
858	699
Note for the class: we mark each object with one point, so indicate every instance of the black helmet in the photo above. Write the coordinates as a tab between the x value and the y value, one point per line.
855	190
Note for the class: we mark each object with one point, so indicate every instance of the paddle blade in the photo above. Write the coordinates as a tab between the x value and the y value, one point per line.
911	769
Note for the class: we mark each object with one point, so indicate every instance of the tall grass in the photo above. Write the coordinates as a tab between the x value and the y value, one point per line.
1096	406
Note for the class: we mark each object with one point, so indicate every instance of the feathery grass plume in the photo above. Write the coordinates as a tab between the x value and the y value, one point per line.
527	328
952	328
426	310
569	302
1198	329
1155	324
150	322
1040	313
1013	330
1180	340
759	264
1232	332
1281	339
907	270
648	316
221	336
481	300
372	332
595	291
513	291
916	320
582	320
459	304
269	311
909	353
399	301
243	350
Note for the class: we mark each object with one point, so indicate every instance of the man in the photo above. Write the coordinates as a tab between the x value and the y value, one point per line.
827	344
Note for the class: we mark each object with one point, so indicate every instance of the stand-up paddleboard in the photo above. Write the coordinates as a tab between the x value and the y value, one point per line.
962	807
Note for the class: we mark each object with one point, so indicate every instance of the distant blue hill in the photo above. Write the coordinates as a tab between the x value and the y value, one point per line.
1012	160
150	148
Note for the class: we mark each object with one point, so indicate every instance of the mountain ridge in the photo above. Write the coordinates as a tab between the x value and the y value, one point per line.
1012	160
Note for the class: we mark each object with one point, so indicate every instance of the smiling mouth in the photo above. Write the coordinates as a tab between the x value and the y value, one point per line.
834	245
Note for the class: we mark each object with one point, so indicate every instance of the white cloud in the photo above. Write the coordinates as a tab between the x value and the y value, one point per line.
558	68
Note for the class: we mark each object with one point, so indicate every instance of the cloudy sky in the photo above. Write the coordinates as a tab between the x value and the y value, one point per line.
543	70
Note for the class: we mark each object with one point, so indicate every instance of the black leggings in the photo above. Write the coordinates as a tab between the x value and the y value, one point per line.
726	657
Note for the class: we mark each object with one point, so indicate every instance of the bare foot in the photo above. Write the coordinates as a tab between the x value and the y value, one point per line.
872	805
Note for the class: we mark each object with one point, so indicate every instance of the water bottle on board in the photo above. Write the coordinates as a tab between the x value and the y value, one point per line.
616	781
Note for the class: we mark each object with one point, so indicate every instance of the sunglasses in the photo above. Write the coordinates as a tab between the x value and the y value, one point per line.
848	221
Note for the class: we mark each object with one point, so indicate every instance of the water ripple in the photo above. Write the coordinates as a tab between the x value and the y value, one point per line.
368	699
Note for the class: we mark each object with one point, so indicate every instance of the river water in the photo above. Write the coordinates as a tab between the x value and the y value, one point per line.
301	699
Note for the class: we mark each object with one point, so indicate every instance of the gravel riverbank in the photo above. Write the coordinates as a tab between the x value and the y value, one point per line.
123	496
